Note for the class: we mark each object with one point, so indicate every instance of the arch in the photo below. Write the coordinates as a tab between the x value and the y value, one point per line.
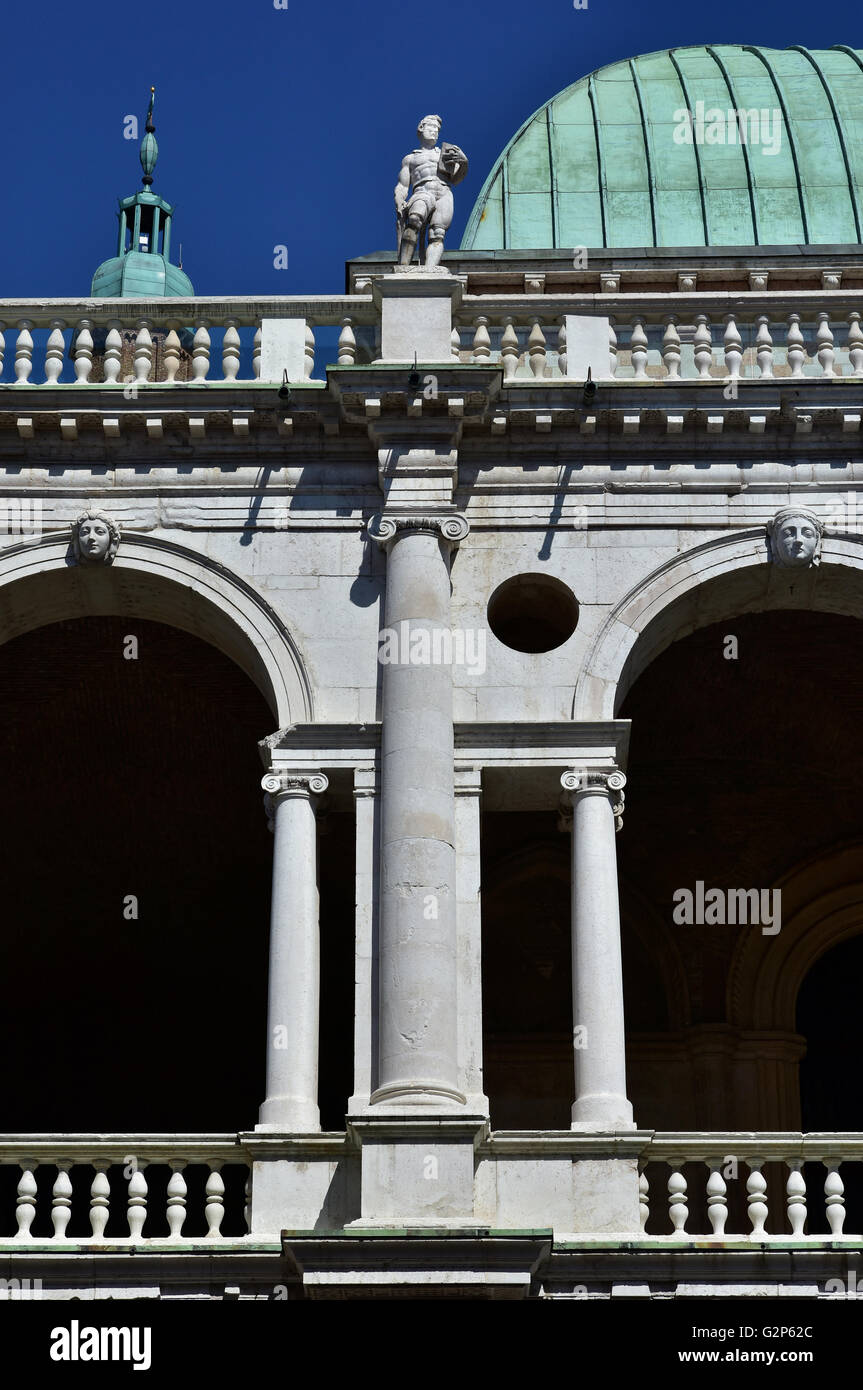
822	905
719	579
156	578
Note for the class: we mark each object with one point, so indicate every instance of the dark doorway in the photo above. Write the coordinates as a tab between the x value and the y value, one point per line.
132	786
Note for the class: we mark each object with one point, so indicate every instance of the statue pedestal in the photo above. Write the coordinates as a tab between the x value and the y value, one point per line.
417	308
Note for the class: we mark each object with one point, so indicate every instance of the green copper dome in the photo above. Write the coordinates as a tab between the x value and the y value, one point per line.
614	160
142	268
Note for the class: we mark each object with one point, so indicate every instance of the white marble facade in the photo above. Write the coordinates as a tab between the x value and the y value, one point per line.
367	502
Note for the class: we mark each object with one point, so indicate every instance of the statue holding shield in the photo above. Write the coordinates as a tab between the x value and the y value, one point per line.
423	194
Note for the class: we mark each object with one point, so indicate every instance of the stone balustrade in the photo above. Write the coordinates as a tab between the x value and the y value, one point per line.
669	338
76	1189
755	1186
166	342
657	337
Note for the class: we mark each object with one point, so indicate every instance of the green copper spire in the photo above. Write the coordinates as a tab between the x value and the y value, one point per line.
142	267
149	147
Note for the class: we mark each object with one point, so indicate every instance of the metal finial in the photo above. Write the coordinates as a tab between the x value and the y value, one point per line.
149	148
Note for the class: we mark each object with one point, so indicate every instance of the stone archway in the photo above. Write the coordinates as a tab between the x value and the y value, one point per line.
136	869
720	579
174	755
158	579
741	775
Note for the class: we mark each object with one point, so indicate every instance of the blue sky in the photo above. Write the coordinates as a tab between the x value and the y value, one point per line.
287	126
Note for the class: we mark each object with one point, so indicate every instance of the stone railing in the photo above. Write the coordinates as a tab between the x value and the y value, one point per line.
674	337
752	1186
123	1189
200	342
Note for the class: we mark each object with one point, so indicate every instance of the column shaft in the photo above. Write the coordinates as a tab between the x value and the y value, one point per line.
294	967
418	1041
597	973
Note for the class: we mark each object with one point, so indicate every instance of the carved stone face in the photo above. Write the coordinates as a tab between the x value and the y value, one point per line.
94	539
429	130
796	540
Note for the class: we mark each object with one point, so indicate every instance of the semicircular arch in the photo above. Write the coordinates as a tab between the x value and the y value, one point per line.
158	579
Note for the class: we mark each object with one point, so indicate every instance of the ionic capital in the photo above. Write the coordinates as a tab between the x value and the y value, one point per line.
450	526
586	781
278	786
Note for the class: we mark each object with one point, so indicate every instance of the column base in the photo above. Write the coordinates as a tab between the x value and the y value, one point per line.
287	1115
602	1112
417	1094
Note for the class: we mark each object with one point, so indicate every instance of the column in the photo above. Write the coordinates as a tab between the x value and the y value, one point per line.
596	798
417	982
468	791
294	971
367	805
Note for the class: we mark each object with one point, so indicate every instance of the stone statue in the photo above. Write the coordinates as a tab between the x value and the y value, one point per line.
95	539
795	534
424	205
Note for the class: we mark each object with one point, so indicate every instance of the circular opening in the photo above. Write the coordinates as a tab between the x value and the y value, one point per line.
532	613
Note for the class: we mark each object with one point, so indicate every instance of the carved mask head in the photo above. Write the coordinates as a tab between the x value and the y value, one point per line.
794	537
95	539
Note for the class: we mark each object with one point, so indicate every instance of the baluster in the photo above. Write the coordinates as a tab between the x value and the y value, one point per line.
795	345
671	347
764	346
247	1206
176	1208
61	1200
855	344
638	349
678	1202
703	345
834	1197
756	1191
509	350
824	339
55	352
25	1207
347	345
717	1201
733	346
536	349
143	356
200	353
214	1211
612	347
309	350
481	341
100	1200
795	1196
23	353
256	354
83	352
230	351
643	1200
172	354
113	352
455	344
562	358
137	1204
